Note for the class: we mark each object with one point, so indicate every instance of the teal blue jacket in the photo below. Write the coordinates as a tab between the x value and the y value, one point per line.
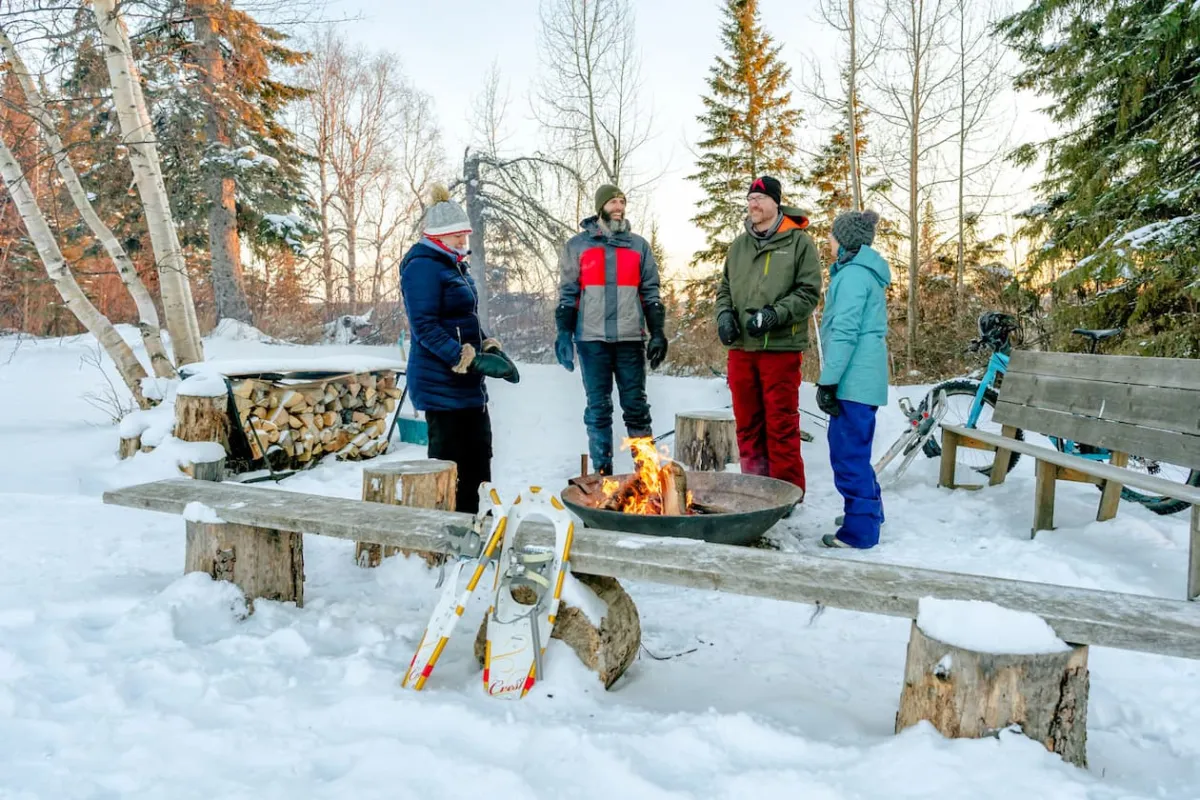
854	328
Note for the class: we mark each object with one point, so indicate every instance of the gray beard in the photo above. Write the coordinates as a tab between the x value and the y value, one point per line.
614	225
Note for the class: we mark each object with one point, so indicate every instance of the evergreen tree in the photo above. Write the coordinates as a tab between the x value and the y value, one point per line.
749	124
1121	194
209	133
830	179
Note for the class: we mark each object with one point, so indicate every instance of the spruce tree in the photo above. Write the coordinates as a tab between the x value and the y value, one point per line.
1120	206
749	123
830	180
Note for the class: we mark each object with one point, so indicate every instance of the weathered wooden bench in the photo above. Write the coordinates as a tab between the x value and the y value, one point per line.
1046	694
1148	407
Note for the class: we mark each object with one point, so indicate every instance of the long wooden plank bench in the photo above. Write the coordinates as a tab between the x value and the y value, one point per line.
1149	407
1079	616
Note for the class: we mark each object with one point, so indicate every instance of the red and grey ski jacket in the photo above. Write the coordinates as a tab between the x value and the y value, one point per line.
610	277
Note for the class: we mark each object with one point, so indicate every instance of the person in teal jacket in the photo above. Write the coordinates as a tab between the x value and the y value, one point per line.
854	373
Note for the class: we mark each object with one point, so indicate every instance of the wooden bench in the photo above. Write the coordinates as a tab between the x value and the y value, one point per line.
963	693
1079	616
1149	407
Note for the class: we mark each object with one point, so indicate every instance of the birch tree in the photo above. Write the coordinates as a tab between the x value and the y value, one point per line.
35	105
844	16
68	288
138	135
916	102
588	92
978	85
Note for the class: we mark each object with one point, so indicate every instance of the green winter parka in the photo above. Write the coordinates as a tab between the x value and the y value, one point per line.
782	271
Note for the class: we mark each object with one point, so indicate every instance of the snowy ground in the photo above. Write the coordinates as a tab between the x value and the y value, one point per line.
121	678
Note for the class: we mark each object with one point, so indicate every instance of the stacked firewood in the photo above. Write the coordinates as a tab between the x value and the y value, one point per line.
346	415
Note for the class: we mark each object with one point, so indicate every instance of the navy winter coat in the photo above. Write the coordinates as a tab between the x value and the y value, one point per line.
443	314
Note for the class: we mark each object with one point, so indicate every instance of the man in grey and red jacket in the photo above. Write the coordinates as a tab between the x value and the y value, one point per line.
608	297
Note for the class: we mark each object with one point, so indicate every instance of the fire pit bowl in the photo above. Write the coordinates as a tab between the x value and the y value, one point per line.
754	504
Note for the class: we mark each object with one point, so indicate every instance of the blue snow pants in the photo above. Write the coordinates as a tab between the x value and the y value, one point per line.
850	435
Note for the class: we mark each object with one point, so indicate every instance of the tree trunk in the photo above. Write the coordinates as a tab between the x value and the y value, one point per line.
962	145
706	440
969	695
137	134
428	483
326	243
351	249
852	114
69	290
262	562
224	246
607	647
148	323
478	239
914	154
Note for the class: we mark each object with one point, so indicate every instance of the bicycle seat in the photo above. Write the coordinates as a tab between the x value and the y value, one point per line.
1098	336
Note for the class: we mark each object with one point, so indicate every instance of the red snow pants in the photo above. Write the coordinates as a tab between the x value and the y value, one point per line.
766	405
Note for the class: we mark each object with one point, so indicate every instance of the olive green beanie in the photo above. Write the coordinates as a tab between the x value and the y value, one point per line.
604	194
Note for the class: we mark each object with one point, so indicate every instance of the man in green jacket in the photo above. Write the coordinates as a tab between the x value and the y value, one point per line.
770	286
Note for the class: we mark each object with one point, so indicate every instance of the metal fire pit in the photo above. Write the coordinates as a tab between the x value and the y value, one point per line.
754	504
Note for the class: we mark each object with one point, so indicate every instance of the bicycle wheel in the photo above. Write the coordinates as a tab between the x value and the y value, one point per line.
960	396
1159	504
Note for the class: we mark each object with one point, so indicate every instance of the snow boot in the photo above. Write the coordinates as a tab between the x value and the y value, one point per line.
831	540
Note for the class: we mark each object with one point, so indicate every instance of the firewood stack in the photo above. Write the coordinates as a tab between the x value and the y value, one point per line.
347	415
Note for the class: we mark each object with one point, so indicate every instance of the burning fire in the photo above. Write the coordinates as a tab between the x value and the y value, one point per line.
644	494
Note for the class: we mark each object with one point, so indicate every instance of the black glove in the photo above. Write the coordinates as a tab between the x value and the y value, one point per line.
727	327
827	400
564	345
762	321
656	321
494	365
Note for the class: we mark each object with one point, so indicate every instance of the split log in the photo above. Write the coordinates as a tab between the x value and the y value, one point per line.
261	562
130	445
606	649
426	483
674	489
969	694
706	440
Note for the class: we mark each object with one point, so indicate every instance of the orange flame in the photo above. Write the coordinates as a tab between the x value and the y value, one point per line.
645	494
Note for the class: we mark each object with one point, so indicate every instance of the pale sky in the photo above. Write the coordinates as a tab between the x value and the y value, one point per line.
447	48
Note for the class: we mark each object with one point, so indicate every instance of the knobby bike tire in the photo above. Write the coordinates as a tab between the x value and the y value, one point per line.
965	386
1159	504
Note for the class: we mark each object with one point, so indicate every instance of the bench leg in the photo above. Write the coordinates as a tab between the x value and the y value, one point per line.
1111	496
1043	509
949	458
1003	457
1194	556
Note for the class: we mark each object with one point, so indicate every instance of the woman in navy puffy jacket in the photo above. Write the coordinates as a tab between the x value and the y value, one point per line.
450	354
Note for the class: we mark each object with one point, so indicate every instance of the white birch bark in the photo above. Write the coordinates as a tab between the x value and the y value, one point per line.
148	322
97	324
137	134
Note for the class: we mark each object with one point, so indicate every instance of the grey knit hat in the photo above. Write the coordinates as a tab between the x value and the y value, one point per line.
445	216
853	229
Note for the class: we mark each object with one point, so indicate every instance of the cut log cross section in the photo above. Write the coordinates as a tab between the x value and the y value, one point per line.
425	483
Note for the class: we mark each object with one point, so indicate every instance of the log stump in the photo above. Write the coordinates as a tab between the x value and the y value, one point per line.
970	694
425	483
207	470
262	562
130	446
202	419
607	649
706	441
